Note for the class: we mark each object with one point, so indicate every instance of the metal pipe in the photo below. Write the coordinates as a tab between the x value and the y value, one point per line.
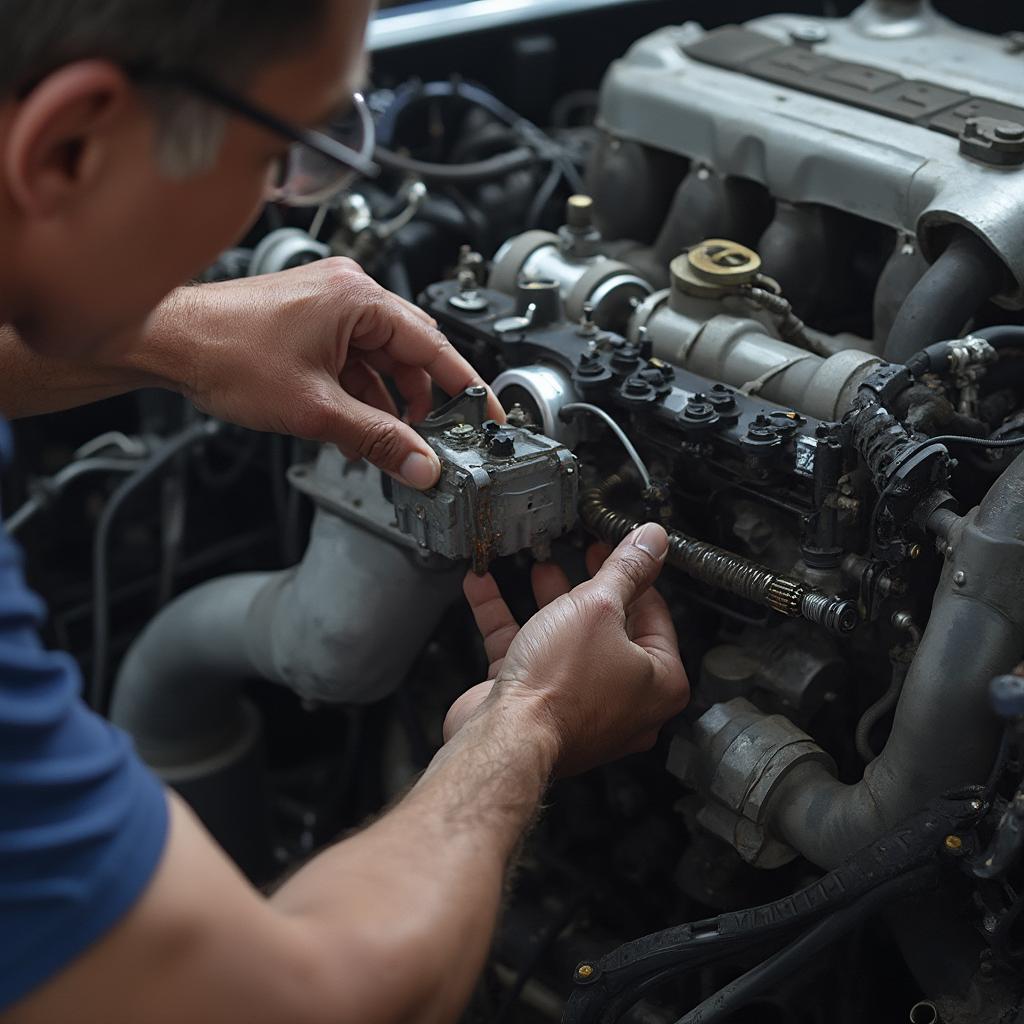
952	289
344	625
944	733
739	351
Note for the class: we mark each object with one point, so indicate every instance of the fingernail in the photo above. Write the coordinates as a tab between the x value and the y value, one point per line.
420	471
652	539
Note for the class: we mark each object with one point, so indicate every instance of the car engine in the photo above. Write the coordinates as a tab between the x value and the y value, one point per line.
764	288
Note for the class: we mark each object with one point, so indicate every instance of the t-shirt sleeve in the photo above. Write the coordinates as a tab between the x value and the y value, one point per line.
82	821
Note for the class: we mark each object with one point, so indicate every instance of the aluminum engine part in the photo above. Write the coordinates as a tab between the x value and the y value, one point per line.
502	488
590	283
689	331
846	113
286	248
541	391
739	756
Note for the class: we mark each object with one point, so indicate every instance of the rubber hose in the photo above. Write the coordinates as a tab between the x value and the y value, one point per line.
458	174
935	358
949	293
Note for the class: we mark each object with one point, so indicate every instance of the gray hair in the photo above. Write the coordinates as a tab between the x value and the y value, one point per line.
224	40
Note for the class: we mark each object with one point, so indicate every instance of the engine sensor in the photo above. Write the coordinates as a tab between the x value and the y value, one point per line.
502	488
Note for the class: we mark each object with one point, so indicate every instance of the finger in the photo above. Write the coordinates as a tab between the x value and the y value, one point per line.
362	431
364	383
387	325
649	624
464	708
416	310
633	566
596	556
413	384
496	623
549	582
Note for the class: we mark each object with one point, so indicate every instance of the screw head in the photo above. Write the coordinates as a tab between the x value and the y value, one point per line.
954	844
808	33
959	578
585	971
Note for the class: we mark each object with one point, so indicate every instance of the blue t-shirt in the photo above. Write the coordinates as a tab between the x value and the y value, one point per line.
82	821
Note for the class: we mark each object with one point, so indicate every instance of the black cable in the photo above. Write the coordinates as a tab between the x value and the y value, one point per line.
881	707
786	961
946	439
458	174
999	765
474	95
164	455
543	196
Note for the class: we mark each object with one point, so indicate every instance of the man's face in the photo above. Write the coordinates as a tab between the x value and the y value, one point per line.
92	247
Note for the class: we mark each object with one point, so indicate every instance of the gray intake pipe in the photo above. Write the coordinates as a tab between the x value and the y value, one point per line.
944	734
344	625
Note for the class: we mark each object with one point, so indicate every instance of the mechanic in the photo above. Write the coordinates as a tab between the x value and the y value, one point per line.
137	138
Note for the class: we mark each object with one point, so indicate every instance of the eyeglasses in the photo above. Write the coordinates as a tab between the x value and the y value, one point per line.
319	164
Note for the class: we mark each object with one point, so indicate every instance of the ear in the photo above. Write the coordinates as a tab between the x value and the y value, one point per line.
57	142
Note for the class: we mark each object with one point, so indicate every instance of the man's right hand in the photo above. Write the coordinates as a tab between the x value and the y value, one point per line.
598	665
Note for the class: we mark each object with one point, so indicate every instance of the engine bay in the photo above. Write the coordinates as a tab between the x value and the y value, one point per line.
763	287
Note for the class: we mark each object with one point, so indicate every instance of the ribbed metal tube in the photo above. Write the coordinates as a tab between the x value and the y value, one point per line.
720	568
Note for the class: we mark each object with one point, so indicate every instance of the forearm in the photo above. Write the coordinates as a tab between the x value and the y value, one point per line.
413	899
32	383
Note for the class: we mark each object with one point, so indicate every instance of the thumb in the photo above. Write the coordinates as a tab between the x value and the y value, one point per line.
361	431
634	565
465	707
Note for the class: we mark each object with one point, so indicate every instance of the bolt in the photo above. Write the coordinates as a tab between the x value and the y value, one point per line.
902	620
914	551
959	578
421	512
954	844
1011	131
587	325
585	971
808	34
975	805
636	386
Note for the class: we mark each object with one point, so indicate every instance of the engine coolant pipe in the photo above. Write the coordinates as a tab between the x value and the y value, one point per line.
950	292
344	625
944	734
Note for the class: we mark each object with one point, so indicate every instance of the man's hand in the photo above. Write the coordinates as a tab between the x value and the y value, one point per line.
306	352
302	352
598	664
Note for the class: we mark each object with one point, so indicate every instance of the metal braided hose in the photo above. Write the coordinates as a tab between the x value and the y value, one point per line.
720	568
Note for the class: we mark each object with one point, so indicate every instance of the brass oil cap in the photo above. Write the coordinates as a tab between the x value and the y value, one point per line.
713	266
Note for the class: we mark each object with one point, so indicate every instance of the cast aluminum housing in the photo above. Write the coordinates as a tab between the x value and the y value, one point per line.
903	168
502	488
